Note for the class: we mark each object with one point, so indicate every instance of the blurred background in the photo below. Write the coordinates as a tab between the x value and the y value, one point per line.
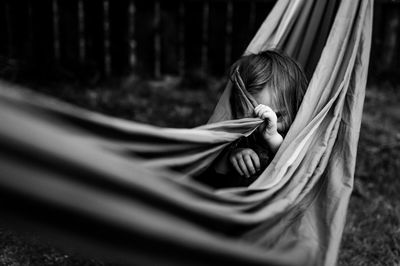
92	41
165	63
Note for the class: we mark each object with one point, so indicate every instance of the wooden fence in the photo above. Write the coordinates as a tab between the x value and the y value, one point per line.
150	37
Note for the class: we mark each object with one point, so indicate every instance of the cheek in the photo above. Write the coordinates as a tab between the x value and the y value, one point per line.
282	126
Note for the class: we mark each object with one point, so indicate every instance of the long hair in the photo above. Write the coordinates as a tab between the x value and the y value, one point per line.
276	71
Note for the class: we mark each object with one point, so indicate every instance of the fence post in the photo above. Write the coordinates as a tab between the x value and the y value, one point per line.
10	37
106	28
131	34
204	39
157	40
181	37
228	31
81	32
30	31
56	30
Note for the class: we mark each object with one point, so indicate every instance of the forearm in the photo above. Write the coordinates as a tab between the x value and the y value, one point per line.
274	142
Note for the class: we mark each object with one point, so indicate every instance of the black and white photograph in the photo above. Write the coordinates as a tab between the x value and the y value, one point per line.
199	132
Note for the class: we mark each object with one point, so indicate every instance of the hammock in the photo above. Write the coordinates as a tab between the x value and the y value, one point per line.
125	189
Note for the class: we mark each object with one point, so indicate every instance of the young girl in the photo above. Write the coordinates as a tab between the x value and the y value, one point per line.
275	84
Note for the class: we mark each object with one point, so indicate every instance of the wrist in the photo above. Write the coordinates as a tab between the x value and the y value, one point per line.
273	141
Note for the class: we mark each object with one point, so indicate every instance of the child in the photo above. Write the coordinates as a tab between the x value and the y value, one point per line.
275	84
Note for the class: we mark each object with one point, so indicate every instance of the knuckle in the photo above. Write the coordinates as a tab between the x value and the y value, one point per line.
252	153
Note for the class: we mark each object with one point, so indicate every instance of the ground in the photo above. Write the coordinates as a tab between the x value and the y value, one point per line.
372	231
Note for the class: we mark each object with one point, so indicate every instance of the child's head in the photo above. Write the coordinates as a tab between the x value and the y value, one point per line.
273	79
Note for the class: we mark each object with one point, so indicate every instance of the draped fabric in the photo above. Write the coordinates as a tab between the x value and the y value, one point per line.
125	189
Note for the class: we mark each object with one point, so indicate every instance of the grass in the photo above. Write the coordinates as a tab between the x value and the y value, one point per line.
372	232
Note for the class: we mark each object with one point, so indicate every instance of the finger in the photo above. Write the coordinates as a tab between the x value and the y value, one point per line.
270	115
259	113
256	160
249	164
267	115
236	166
259	109
243	167
264	109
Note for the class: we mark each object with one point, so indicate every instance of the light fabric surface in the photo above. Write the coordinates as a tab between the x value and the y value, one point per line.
124	189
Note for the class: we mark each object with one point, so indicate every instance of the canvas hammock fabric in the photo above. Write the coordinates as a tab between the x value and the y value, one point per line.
125	189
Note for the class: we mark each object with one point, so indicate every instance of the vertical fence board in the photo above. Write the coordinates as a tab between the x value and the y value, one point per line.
131	34
217	38
145	37
9	28
17	29
106	40
43	33
152	37
181	38
94	37
228	33
3	30
120	37
68	36
204	39
56	30
170	37
81	32
157	39
30	41
193	26
14	41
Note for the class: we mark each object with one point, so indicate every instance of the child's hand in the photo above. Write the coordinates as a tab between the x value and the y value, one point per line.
245	161
269	129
